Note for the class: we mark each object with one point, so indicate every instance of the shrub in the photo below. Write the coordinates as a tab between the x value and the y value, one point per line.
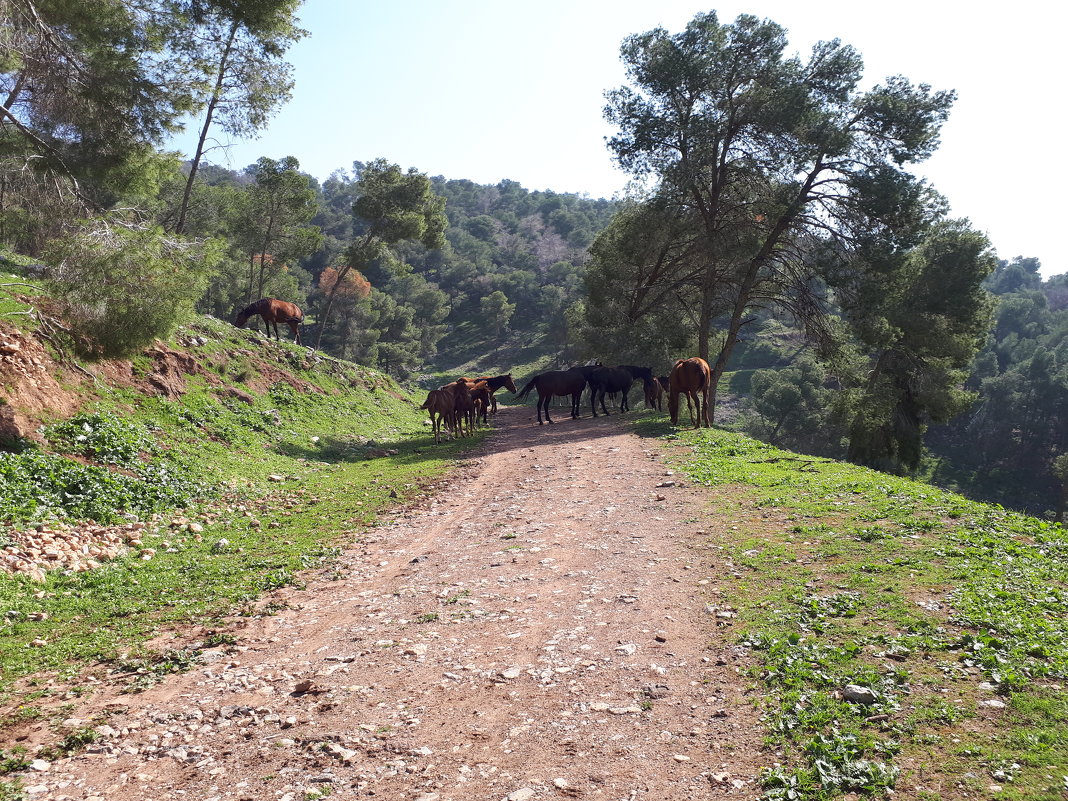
122	286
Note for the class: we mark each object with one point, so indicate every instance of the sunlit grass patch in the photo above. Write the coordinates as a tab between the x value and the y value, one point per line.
946	618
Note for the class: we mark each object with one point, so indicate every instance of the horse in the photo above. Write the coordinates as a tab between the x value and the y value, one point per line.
481	396
463	404
495	383
440	404
692	377
556	382
654	394
609	380
273	312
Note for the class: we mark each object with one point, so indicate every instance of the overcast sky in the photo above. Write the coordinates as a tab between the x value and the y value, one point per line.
493	89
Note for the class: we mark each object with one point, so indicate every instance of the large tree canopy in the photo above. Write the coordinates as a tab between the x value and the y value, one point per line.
765	158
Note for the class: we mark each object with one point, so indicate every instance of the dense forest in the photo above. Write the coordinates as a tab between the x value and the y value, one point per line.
778	234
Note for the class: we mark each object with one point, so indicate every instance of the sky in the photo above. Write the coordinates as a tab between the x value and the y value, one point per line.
487	90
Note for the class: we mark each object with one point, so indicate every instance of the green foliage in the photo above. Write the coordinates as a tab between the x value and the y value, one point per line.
105	439
920	315
742	144
915	594
123	287
37	486
793	407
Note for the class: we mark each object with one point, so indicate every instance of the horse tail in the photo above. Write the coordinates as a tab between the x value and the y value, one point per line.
706	374
525	390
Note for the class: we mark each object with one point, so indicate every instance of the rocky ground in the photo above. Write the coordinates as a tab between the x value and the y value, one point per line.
547	626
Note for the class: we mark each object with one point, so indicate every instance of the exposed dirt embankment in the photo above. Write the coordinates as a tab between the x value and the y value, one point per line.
546	627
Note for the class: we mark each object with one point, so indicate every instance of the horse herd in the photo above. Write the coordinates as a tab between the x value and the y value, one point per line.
459	406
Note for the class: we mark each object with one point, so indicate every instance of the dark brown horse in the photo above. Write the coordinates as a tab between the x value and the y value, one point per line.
691	377
557	382
496	382
610	380
654	394
273	312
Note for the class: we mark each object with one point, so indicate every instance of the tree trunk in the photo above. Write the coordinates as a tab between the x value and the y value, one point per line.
212	104
330	302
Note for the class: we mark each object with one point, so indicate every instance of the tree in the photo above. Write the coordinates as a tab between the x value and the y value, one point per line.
273	226
496	311
87	90
921	315
793	406
391	207
239	45
768	157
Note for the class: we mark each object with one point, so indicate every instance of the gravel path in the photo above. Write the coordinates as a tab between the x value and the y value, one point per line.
546	626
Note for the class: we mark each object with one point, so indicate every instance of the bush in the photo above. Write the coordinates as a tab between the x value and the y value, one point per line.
122	287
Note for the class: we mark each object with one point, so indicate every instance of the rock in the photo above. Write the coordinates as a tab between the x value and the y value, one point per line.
627	649
521	794
993	703
858	694
511	673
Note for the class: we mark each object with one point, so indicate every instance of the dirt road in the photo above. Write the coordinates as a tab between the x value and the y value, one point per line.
545	627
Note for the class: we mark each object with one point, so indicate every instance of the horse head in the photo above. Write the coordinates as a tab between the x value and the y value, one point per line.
509	384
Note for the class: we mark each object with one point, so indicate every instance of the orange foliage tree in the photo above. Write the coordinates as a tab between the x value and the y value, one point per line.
353	284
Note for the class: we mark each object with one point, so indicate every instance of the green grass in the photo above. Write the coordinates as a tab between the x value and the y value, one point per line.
276	486
933	603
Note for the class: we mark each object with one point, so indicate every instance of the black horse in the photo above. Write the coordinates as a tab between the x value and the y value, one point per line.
610	380
558	382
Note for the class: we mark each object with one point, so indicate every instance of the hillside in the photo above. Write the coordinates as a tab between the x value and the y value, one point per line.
692	614
182	458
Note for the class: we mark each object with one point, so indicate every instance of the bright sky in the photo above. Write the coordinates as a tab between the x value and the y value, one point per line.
493	89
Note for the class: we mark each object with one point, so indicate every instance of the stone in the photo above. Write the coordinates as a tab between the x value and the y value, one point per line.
858	695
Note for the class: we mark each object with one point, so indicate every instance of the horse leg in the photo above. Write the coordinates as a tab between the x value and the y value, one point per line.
295	331
576	402
548	402
625	405
603	407
691	396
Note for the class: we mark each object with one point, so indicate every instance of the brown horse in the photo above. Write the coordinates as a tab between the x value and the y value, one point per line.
273	312
440	405
691	377
654	394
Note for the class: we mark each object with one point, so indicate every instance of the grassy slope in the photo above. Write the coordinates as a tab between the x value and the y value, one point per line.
258	531
954	614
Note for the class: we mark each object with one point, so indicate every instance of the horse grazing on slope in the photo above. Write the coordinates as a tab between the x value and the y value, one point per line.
691	377
273	312
556	382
